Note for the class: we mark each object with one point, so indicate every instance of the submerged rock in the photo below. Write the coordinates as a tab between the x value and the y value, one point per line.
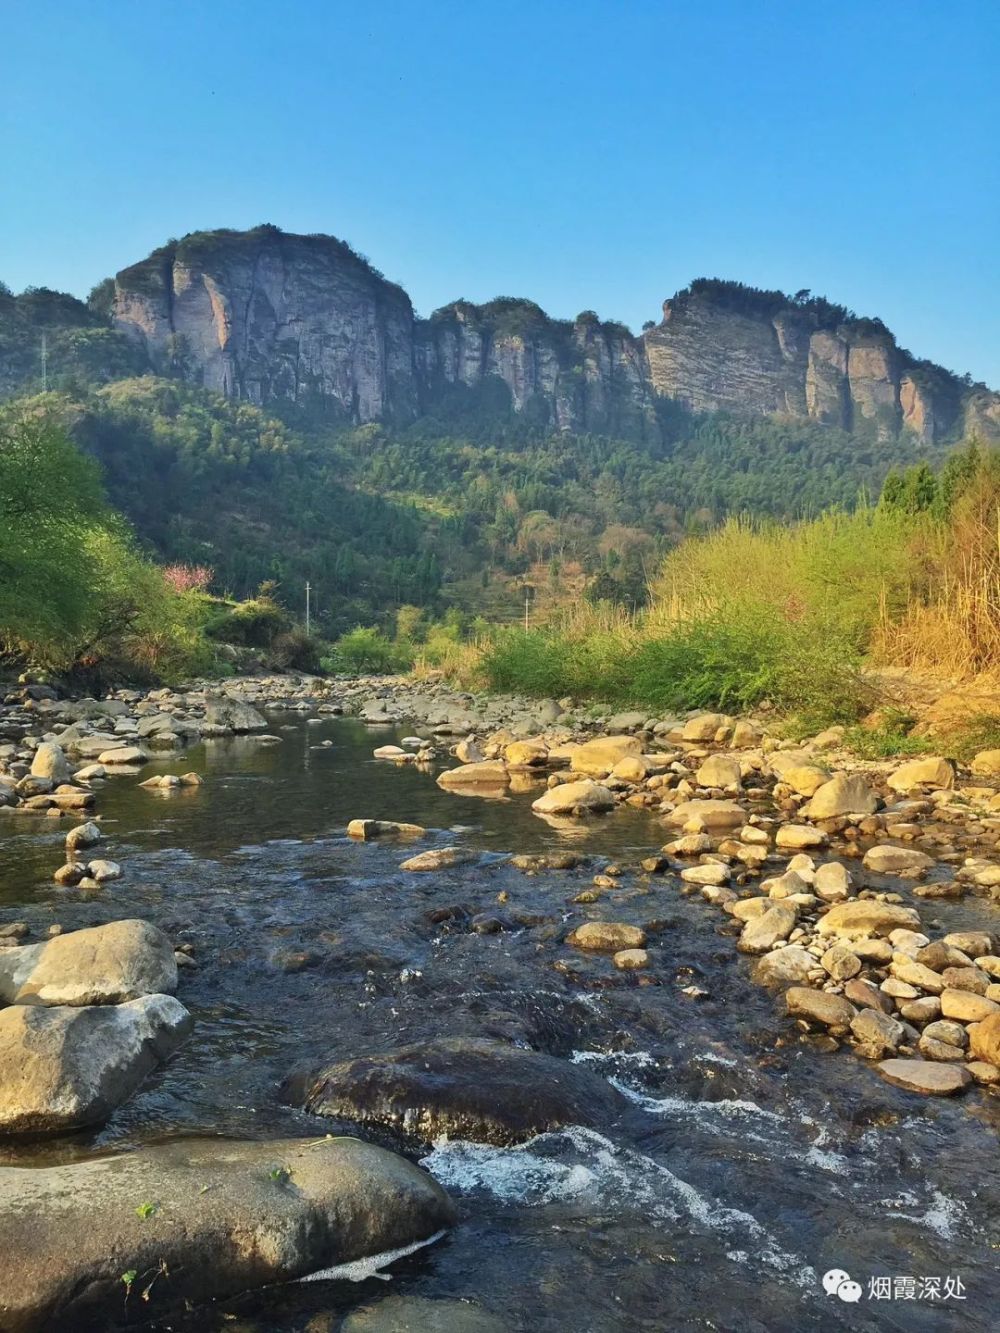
198	1219
417	1314
102	965
470	1088
571	798
66	1067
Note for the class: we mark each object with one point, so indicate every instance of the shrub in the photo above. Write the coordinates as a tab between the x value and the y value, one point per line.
293	650
365	649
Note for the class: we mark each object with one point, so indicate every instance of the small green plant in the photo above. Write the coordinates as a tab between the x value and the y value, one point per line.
280	1174
127	1278
146	1210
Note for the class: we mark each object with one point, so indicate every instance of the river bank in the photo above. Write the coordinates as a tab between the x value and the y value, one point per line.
746	1143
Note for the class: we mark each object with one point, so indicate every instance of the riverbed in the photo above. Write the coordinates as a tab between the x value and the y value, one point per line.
750	1160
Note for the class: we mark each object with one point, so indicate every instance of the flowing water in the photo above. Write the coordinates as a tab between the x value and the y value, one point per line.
748	1164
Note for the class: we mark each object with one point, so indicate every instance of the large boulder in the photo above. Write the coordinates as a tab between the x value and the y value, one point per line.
102	965
844	794
984	1040
571	798
598	757
886	859
195	1220
720	770
49	761
935	773
66	1067
861	917
224	714
469	1088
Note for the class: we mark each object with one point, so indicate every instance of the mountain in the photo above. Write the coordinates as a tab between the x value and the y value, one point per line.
273	319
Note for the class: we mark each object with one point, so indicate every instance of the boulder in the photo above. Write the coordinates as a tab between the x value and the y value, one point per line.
440	858
598	757
101	965
861	917
986	764
798	837
123	756
935	773
720	770
789	966
885	859
83	835
468	1088
66	1067
705	726
196	1220
925	1076
763	932
876	1033
366	829
49	761
488	773
225	714
984	1040
819	1006
571	798
707	815
530	753
844	794
607	936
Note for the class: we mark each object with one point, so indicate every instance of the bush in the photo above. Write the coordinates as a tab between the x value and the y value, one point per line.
293	650
255	623
364	649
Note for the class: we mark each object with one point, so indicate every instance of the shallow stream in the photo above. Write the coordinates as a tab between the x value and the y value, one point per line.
750	1161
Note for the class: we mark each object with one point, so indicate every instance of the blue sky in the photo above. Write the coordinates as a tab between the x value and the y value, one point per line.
586	154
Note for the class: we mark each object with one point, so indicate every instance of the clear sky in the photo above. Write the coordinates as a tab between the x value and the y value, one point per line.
584	153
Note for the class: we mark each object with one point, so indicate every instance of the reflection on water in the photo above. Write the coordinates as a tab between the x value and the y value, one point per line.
748	1164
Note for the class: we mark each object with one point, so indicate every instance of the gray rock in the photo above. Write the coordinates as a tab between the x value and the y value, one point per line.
224	714
102	965
198	1220
50	762
63	1068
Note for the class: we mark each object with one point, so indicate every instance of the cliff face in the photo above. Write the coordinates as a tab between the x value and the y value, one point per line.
271	317
268	317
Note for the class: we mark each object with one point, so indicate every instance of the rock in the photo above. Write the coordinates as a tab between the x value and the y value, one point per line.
986	763
629	960
841	962
788	966
489	773
844	794
936	773
691	844
366	829
571	798
986	1074
925	1077
705	727
469	751
102	965
915	974
707	815
102	871
70	874
876	1033
832	882
527	754
82	836
764	931
866	995
939	955
819	1006
984	1040
223	714
49	761
712	872
974	943
607	936
948	1031
598	757
796	837
786	885
224	1216
861	917
391	752
966	978
468	1088
418	1314
720	770
885	859
65	1067
634	768
440	858
805	779
130	755
960	1004
924	1010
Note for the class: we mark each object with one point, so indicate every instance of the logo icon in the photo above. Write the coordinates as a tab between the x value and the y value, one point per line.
838	1283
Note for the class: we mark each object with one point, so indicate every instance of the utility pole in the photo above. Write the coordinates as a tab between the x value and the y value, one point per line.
308	606
45	363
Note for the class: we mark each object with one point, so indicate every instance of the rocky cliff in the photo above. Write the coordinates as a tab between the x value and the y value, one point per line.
271	317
